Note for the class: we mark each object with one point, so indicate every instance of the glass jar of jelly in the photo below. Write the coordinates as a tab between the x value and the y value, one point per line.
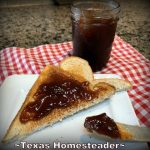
93	29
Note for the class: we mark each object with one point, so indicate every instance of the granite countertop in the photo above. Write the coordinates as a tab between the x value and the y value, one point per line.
30	26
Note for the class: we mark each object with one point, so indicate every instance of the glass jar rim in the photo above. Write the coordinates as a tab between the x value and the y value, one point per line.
77	5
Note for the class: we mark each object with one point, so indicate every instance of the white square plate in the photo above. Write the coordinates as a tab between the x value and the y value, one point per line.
71	130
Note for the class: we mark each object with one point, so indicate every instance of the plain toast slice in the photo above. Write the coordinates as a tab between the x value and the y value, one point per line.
79	66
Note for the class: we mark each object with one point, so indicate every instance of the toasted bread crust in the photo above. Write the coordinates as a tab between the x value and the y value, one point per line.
77	66
125	135
17	130
119	84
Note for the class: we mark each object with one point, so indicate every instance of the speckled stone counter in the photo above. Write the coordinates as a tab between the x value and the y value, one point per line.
35	25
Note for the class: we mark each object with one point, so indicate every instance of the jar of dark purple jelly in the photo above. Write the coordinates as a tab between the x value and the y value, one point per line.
93	29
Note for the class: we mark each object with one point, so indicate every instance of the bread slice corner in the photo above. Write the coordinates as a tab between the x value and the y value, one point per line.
77	66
